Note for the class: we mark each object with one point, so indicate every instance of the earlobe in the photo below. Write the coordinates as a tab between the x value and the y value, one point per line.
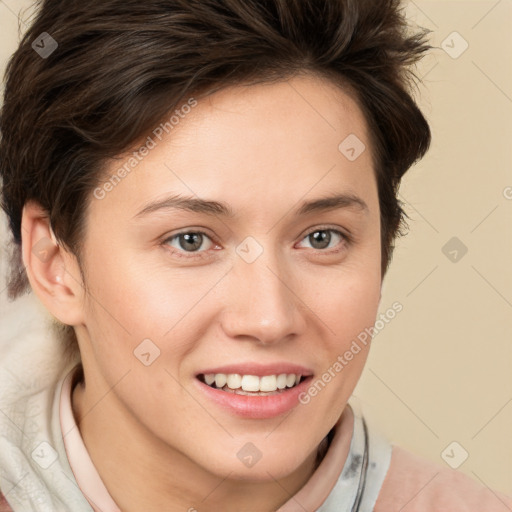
52	271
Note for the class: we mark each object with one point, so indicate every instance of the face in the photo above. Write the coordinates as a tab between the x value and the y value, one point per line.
252	282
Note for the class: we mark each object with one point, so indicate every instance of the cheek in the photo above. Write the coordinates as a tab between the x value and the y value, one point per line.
348	309
346	301
138	298
129	305
357	308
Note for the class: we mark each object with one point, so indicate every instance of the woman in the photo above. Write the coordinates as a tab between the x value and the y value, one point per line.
203	196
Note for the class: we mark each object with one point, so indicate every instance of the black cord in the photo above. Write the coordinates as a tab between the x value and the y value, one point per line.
364	471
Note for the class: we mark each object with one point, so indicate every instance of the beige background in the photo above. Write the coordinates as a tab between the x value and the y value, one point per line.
441	371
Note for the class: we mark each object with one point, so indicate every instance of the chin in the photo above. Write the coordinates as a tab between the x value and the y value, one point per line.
247	463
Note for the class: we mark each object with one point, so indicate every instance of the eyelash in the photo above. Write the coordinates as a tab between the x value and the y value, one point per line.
346	240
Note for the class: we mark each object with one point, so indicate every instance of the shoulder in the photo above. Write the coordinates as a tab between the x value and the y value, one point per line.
4	506
419	485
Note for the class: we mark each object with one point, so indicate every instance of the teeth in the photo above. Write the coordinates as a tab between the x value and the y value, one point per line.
253	383
234	380
281	381
220	380
268	383
250	383
290	380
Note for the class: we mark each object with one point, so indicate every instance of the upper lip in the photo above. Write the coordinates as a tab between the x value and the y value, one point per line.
258	369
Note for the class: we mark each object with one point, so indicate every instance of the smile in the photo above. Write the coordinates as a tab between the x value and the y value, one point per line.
251	384
226	390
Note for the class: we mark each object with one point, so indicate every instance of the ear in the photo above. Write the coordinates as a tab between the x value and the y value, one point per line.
53	272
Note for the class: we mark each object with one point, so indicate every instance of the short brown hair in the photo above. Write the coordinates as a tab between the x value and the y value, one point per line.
122	65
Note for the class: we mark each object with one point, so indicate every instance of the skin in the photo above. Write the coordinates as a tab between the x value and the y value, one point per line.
157	441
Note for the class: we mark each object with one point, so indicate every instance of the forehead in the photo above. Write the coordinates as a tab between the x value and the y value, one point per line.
260	142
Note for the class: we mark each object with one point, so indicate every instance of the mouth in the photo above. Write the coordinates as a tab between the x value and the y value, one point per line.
252	385
255	391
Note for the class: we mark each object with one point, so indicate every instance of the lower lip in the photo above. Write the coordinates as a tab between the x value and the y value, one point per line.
256	407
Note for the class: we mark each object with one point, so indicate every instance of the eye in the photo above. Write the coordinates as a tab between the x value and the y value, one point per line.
195	243
325	238
188	244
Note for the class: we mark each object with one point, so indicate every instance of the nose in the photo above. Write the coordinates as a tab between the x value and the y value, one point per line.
263	302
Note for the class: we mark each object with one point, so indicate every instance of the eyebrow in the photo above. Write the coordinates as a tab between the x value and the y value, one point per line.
214	208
